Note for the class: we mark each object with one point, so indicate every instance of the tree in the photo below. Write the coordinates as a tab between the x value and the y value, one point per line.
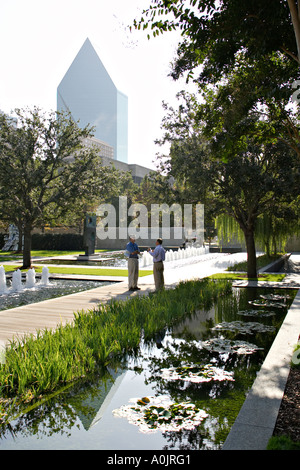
215	35
45	170
255	177
244	56
260	90
214	32
155	188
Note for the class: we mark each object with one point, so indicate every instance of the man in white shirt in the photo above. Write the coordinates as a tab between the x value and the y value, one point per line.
158	255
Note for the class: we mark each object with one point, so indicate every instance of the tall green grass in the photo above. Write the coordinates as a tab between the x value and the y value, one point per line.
38	364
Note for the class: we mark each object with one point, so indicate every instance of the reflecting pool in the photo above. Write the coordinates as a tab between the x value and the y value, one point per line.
107	258
210	361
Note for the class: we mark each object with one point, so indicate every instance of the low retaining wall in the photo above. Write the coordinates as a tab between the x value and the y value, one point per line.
275	266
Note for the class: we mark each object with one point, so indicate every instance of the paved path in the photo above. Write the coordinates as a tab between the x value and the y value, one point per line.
27	319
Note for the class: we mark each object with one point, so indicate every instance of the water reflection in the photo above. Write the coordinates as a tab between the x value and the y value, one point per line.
81	416
115	259
81	405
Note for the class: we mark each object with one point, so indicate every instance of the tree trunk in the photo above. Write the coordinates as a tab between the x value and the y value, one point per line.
27	247
296	23
267	247
20	243
251	253
274	245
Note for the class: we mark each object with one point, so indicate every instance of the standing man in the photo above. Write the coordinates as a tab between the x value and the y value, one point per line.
158	264
133	263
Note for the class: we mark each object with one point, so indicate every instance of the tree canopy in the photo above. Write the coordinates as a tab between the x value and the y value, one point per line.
46	171
214	31
259	177
234	146
257	41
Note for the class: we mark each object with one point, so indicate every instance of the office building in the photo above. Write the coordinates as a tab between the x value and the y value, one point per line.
89	94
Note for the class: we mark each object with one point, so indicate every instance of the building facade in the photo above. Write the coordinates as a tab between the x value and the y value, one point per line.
105	151
89	94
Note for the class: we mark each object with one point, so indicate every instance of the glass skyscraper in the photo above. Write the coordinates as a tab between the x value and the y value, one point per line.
89	94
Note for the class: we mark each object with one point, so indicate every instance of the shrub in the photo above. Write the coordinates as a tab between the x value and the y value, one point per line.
57	241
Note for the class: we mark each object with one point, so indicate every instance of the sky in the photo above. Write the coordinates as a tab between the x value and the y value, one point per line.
40	39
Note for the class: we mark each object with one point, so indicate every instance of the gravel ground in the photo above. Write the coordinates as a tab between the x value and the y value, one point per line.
288	421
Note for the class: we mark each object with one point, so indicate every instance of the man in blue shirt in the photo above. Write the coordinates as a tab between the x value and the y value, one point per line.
133	263
158	266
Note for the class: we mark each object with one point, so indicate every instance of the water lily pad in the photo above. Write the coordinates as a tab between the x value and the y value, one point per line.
161	414
274	297
141	402
145	400
244	327
256	313
266	303
197	374
223	346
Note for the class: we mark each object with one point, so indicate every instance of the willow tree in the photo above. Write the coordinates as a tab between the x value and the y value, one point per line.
45	170
272	229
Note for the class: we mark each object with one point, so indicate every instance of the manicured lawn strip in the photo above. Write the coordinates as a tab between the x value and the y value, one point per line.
12	256
82	271
93	271
10	267
243	276
54	358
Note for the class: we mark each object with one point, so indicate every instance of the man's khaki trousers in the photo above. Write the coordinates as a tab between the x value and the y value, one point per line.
158	273
133	272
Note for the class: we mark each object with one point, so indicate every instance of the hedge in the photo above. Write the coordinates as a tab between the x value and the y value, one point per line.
57	241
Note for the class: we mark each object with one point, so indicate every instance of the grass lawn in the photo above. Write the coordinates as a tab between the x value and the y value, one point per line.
8	256
124	272
243	276
93	271
233	272
42	254
82	271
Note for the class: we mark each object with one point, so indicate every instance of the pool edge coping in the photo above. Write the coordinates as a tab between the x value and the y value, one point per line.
256	420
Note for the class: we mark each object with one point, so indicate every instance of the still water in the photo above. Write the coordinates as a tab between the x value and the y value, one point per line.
110	258
233	336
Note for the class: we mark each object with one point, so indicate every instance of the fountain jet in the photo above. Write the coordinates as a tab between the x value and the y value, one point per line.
3	287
